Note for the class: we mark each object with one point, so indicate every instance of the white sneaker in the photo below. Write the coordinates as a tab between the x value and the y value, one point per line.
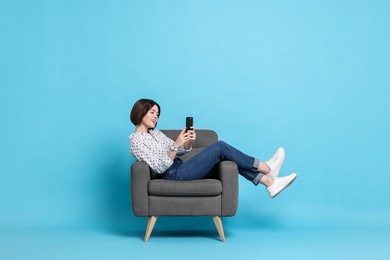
275	163
280	184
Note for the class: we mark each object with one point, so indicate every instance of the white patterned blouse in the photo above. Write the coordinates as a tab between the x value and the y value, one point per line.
152	148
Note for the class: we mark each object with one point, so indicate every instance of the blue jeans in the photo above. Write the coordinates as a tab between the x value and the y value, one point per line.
202	164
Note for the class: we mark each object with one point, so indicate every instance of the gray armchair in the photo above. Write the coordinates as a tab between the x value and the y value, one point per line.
216	197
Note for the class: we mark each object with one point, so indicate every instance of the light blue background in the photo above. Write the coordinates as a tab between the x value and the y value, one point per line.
312	76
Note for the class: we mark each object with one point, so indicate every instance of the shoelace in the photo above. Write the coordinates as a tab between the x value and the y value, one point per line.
273	159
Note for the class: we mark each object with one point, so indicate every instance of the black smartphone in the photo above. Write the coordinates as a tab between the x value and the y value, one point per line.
189	122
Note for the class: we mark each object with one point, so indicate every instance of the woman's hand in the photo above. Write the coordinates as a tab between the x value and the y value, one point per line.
186	138
191	136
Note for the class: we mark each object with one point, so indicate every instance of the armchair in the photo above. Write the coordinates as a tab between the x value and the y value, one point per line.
153	197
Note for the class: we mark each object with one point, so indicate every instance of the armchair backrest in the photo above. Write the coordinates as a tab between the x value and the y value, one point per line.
204	138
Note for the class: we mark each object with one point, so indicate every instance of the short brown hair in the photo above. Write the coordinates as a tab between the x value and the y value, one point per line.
140	108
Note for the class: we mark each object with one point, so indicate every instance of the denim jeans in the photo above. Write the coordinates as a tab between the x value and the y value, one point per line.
199	166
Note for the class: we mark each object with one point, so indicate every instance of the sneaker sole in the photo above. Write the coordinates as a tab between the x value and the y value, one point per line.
288	184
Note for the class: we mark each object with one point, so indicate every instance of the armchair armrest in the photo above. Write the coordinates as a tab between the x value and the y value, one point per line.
140	177
228	174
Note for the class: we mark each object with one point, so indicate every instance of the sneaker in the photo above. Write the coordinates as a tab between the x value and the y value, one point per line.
275	163
280	184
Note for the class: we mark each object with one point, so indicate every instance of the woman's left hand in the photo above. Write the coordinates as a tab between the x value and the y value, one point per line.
190	136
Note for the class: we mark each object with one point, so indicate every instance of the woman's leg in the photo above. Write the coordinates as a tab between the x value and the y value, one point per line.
201	164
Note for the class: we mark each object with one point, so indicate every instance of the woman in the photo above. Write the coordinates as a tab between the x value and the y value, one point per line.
149	145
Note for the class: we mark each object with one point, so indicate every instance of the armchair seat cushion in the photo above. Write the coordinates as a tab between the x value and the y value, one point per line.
196	188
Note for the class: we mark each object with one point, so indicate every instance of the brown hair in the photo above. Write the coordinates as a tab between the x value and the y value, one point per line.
140	108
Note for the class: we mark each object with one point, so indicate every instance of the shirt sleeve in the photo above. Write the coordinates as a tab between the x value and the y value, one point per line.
159	160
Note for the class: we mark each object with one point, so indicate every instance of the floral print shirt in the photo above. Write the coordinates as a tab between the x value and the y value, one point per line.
152	148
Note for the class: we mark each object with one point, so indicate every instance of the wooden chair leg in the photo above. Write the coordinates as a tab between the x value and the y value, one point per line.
149	228
218	224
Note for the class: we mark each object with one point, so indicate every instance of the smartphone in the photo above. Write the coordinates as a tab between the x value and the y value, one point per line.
189	122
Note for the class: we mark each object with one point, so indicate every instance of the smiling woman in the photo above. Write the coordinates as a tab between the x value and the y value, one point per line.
151	146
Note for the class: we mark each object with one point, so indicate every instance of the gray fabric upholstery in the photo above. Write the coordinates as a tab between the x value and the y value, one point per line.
185	206
208	197
227	172
140	177
201	188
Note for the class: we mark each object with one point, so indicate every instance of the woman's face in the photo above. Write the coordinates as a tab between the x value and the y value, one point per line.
151	118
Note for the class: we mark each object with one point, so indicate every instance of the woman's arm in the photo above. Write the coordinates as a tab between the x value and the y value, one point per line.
158	160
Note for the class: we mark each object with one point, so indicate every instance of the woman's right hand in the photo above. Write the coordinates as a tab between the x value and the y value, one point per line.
183	138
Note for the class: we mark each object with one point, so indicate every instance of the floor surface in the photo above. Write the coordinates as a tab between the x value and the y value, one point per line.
195	244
